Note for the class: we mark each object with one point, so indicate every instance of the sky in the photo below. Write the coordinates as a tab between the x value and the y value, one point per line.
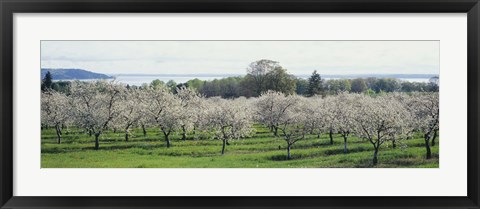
233	57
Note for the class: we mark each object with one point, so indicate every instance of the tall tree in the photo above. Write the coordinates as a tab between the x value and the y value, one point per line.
256	74
279	80
47	81
315	85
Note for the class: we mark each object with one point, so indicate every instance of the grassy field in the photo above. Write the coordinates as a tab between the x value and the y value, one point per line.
261	151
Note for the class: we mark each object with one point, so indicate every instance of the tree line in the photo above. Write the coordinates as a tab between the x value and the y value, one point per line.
96	107
263	75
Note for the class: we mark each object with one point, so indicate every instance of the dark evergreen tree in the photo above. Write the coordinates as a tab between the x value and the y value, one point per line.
315	85
47	81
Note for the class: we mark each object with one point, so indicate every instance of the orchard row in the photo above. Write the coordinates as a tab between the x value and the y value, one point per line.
100	106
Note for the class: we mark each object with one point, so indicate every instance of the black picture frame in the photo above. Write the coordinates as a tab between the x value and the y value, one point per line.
9	7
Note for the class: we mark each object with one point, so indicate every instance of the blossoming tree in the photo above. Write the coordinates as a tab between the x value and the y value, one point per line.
55	111
95	105
378	119
228	120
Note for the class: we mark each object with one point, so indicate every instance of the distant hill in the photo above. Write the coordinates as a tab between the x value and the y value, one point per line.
72	74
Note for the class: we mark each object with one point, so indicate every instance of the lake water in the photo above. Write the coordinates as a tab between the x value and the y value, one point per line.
138	80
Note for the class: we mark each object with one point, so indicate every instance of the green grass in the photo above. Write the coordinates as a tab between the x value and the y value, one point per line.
263	150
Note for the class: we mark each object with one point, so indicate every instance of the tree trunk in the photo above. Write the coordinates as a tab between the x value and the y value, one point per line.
288	152
434	137
166	134
184	133
275	131
126	135
331	136
394	143
97	145
144	130
345	145
168	141
318	135
375	159
59	134
427	146
223	146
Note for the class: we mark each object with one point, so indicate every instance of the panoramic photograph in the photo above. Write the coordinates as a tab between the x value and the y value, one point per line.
240	104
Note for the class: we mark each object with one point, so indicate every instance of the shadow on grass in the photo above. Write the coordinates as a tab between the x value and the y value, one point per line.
388	162
55	150
284	157
350	150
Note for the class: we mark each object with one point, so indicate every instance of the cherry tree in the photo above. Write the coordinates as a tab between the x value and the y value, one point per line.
129	111
144	122
163	110
191	105
329	107
293	120
426	117
343	111
315	113
228	119
271	107
55	111
406	100
380	118
95	105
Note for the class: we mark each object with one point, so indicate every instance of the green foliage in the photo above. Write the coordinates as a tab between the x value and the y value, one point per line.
156	84
335	86
172	85
195	83
387	85
370	92
279	80
359	85
260	151
315	84
47	81
257	75
226	87
61	86
302	86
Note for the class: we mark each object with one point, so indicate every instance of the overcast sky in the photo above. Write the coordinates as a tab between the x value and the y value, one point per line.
232	57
